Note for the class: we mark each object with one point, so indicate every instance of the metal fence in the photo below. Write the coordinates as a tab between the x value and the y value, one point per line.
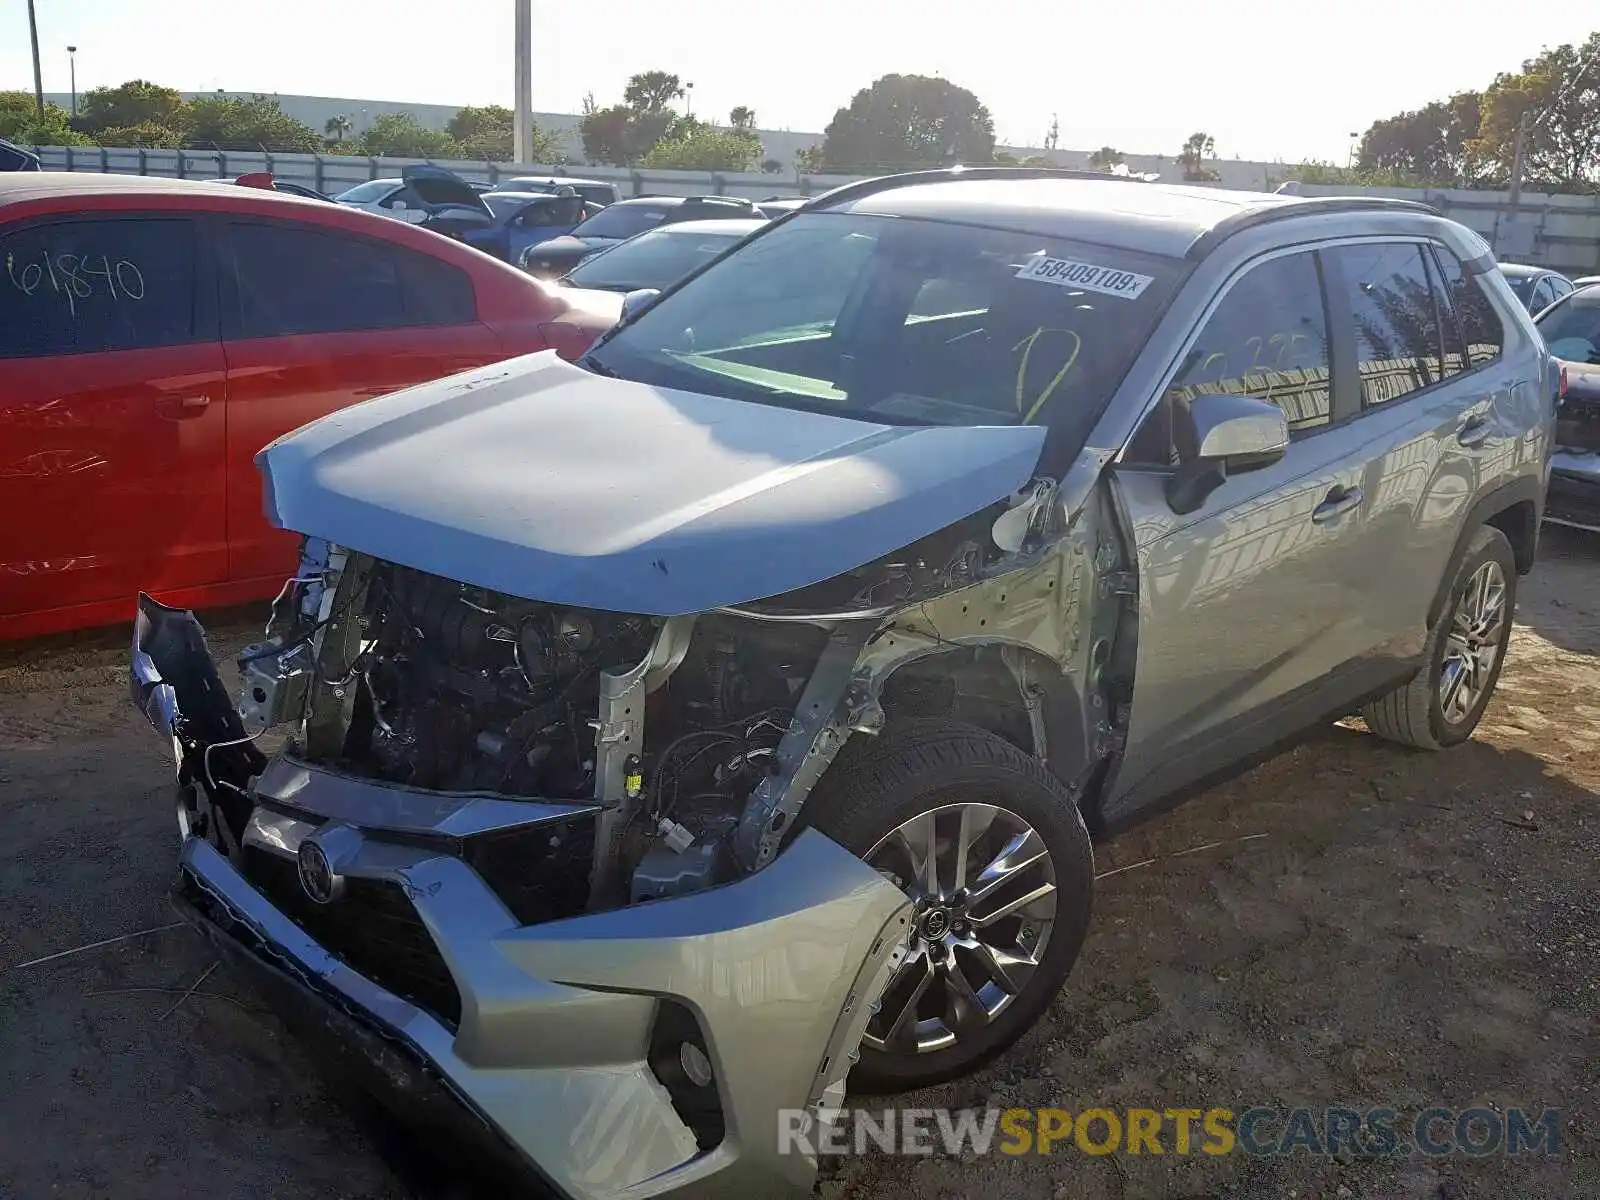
334	173
1562	232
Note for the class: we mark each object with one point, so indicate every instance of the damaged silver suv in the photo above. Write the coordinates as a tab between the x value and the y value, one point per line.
657	740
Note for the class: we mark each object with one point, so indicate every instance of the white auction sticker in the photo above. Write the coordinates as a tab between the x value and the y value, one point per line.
1064	272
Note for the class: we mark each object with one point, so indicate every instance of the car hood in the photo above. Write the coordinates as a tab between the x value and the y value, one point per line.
539	479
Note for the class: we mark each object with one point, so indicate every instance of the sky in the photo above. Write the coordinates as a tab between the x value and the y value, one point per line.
1268	80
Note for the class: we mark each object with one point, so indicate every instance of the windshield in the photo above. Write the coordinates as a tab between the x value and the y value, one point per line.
654	259
1522	285
906	321
621	221
367	193
1571	329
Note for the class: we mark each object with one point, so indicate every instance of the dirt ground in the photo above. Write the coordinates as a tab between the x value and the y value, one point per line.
1400	929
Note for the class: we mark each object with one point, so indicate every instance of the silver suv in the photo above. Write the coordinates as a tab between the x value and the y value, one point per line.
662	738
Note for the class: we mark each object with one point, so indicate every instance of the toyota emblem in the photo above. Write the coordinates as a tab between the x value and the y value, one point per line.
316	874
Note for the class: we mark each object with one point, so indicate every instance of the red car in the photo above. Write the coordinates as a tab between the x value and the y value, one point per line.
156	333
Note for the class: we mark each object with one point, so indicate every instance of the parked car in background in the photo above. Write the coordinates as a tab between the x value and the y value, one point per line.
1537	287
776	206
17	158
620	221
592	190
269	182
742	696
156	333
1571	329
659	257
497	222
1584	281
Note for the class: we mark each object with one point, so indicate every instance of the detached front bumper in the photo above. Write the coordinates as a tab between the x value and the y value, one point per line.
556	1047
1574	495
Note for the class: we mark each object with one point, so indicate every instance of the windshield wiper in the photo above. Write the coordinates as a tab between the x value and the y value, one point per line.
590	363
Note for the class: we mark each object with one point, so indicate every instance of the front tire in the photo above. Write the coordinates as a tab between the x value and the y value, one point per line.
994	853
1465	650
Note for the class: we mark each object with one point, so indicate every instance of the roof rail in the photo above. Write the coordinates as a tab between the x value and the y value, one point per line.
1308	207
887	183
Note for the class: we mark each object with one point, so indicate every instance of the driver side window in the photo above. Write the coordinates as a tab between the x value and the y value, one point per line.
1268	338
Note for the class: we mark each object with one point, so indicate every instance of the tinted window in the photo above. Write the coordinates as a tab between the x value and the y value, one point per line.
1521	285
304	281
1267	338
78	287
622	220
1480	323
1571	330
823	313
1398	341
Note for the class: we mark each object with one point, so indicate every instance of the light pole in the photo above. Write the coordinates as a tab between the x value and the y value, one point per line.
522	84
688	99
72	68
1354	137
38	75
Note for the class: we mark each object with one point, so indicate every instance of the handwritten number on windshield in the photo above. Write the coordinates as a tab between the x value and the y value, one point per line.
1026	346
77	277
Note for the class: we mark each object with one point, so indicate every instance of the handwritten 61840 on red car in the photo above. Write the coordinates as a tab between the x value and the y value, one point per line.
156	333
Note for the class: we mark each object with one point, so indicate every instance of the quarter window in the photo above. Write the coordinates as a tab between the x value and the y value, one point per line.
1479	321
295	281
1396	321
1267	338
81	287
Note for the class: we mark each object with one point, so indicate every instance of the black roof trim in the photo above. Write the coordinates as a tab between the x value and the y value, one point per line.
887	183
1311	207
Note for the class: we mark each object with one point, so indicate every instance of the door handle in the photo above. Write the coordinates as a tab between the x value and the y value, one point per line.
178	408
1474	430
1340	500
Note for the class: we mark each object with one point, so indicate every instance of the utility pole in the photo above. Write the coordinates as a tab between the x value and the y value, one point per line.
38	75
522	100
72	66
1519	156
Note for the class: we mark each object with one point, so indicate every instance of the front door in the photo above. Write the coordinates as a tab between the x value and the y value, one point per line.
113	418
314	321
1250	606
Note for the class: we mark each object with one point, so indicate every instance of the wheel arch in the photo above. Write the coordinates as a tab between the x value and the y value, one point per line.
1515	509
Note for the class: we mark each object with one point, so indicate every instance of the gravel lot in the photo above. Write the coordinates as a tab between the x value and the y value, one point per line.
1412	929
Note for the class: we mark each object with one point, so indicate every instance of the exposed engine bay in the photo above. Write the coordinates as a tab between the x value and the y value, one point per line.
389	674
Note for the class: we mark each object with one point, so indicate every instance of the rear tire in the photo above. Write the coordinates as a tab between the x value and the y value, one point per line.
985	960
1465	650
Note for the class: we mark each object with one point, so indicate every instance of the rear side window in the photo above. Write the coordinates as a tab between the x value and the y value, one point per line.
1479	322
292	280
82	287
1267	338
1395	318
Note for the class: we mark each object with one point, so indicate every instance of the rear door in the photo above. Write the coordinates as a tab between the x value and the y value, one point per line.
1431	426
112	413
1250	606
540	221
313	320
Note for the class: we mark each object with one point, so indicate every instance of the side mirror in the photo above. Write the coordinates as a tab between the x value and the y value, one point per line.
1218	436
637	301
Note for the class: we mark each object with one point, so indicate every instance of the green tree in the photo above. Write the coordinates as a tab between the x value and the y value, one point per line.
235	123
1192	158
337	127
909	121
772	166
743	118
651	92
810	160
1432	144
1560	92
1105	158
706	149
147	135
137	102
400	135
20	122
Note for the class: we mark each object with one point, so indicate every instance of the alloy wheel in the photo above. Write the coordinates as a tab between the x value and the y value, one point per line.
1473	643
983	888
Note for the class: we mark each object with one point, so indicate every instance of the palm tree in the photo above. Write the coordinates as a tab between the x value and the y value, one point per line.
337	127
742	118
